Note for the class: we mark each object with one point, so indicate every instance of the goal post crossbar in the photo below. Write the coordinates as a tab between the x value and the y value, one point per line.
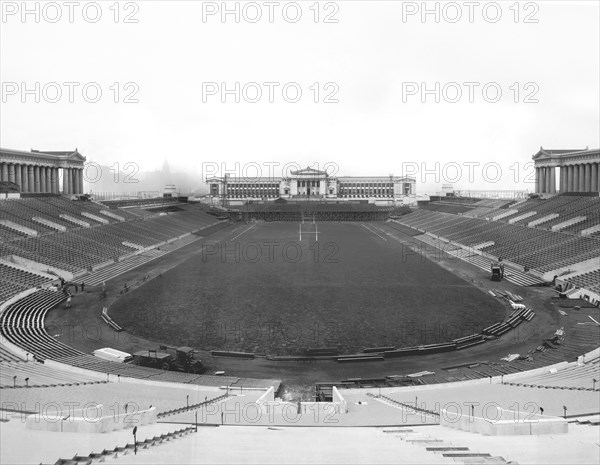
315	232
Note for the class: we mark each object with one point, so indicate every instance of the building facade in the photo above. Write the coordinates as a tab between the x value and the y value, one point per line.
39	172
312	184
575	170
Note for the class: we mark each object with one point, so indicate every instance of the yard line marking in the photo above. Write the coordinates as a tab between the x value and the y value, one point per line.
368	229
244	231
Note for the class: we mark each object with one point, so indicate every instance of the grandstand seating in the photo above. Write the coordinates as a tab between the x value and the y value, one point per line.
15	280
7	356
22	324
77	248
119	204
448	208
14	373
589	280
537	247
572	376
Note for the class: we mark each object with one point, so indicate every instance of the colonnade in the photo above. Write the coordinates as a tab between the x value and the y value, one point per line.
41	179
577	177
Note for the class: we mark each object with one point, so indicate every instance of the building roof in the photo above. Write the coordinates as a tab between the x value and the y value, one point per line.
308	171
58	156
564	153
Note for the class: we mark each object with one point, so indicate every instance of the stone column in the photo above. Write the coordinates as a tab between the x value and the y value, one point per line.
65	189
80	181
24	179
42	179
587	177
48	170
538	180
74	181
36	177
55	181
30	178
3	172
18	175
11	172
543	180
594	183
569	178
543	183
553	180
581	178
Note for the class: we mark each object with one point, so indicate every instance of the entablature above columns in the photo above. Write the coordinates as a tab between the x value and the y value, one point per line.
71	159
554	158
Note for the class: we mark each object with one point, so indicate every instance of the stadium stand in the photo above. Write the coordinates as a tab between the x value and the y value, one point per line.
80	248
589	280
535	247
78	236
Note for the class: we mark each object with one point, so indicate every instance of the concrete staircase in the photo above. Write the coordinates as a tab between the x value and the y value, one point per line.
129	449
50	224
542	220
72	219
521	217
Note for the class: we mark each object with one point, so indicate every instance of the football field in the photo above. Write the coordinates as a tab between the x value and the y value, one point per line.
278	288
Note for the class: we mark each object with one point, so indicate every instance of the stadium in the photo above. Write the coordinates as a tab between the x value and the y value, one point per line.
281	321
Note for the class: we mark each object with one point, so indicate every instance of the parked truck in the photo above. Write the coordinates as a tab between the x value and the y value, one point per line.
183	359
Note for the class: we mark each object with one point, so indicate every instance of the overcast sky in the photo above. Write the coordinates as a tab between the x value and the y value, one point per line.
372	60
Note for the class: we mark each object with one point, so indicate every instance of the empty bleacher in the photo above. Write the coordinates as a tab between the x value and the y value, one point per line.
78	236
15	374
584	376
14	280
538	248
589	280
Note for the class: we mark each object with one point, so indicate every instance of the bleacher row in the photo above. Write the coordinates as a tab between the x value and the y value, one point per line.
153	201
532	248
22	324
15	280
584	377
88	235
566	206
589	280
31	374
584	210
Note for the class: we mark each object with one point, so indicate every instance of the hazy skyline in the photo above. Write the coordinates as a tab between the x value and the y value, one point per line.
374	61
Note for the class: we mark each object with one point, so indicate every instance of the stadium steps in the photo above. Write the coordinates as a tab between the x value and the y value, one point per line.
447	450
119	451
96	278
510	274
110	272
189	408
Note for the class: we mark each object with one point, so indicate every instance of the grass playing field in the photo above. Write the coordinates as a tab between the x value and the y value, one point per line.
276	288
